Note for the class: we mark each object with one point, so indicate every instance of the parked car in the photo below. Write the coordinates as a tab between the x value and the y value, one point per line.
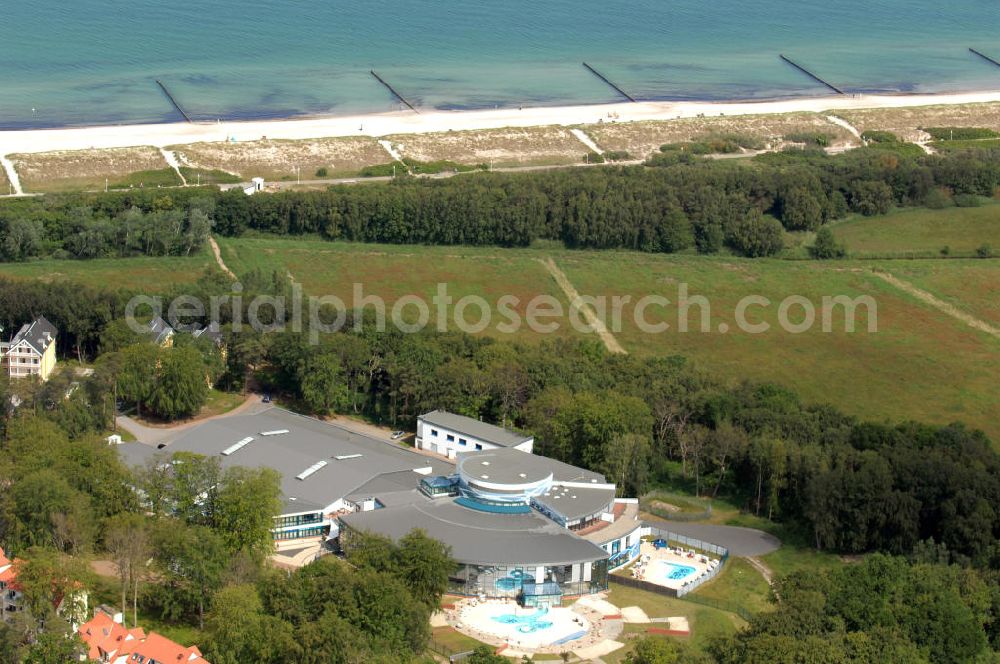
267	398
396	435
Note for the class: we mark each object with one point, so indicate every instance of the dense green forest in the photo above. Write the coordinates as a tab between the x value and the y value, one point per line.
675	202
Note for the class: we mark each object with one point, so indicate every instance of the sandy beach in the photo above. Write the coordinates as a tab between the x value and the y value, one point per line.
409	122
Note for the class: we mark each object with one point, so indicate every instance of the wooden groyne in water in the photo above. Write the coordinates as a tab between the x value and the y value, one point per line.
173	101
608	81
811	75
393	91
984	57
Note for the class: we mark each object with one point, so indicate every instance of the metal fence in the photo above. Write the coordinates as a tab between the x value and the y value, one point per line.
451	654
693	543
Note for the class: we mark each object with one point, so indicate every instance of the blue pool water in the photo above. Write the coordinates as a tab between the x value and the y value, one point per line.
676	572
95	61
526	624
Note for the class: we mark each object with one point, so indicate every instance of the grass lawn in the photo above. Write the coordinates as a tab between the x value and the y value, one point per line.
137	272
921	231
920	364
705	622
219	402
454	640
739	583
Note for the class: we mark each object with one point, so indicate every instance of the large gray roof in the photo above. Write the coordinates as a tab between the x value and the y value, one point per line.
307	442
507	464
481	538
39	333
576	502
481	430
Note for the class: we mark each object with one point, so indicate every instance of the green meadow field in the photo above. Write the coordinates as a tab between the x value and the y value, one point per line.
920	364
922	231
394	271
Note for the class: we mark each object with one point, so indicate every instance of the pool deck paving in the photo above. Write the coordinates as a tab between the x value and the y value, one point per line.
634	614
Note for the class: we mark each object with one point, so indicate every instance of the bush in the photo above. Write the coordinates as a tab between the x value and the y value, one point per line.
801	210
756	235
938	199
967	200
819	138
871	197
946	250
984	251
617	155
826	246
322	172
875	136
382	170
593	158
960	133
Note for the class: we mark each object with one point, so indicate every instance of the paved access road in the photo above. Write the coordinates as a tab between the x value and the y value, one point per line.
740	541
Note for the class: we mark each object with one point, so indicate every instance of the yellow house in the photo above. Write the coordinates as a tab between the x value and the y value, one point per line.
32	351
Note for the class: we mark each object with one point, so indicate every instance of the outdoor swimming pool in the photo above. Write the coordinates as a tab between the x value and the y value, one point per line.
524	628
526	624
675	572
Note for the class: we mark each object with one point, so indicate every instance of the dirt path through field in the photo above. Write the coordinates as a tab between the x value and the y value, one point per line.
218	257
171	159
841	122
589	314
586	140
940	305
15	181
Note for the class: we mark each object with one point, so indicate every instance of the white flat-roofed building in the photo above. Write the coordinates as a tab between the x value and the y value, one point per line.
449	435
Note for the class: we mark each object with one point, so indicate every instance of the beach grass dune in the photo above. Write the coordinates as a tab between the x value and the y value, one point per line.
640	139
513	146
279	159
76	170
906	122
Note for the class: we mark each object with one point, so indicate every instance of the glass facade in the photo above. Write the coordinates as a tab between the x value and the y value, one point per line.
297	520
507	580
299	533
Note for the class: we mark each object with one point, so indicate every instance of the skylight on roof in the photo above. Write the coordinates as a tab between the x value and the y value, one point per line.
237	446
310	470
276	432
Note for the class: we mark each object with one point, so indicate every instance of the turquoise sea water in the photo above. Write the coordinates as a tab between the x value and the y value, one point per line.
94	61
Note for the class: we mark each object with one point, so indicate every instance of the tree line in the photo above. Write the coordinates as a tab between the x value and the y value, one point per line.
79	226
675	202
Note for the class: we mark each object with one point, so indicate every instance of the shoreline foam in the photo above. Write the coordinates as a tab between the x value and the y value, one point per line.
408	122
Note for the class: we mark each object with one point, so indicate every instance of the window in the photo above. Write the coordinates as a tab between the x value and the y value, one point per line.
451	438
463	442
434	432
478	446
